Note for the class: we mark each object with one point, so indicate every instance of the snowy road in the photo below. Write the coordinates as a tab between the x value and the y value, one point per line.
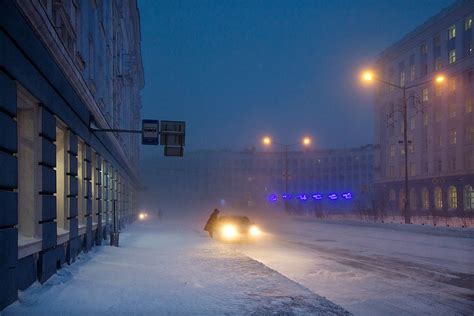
374	269
167	268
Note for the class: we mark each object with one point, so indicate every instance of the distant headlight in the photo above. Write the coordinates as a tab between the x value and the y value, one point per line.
254	231
142	216
229	231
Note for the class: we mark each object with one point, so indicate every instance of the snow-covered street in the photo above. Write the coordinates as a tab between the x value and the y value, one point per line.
168	268
378	269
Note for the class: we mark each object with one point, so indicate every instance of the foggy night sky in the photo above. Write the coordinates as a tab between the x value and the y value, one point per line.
236	70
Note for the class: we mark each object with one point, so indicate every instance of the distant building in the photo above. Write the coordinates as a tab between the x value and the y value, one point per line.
441	118
62	63
250	178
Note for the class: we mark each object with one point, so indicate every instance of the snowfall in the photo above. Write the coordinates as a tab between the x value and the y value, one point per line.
299	266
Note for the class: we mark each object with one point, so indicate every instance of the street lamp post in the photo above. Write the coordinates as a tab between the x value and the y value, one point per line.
369	76
267	141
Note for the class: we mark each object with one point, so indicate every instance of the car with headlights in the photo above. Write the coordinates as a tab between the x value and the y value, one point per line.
236	228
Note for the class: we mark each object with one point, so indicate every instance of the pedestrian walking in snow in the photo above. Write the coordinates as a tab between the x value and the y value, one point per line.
211	222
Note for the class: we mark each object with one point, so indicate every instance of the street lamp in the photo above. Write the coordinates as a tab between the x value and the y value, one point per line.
267	141
369	76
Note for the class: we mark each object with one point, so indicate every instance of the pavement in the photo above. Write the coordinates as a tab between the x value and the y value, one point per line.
168	268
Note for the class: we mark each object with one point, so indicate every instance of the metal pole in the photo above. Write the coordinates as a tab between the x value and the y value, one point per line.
405	143
286	178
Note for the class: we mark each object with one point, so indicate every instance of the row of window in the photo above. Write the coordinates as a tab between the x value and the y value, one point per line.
438	201
108	180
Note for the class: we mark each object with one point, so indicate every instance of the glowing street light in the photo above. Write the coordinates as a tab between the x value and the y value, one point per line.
267	141
369	76
306	141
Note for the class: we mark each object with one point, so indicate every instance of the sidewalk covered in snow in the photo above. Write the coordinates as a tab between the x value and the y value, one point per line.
166	268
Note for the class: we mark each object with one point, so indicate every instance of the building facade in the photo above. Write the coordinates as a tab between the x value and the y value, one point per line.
440	117
250	178
63	64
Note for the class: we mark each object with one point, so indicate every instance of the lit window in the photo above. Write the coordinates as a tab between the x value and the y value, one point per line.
452	137
438	198
452	110
62	169
470	133
468	197
452	84
452	56
402	78
412	123
425	95
412	72
438	91
469	106
81	187
438	63
424	49
453	197
425	198
425	119
452	32
468	23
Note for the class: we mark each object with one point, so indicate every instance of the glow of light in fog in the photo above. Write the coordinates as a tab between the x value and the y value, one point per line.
229	231
142	216
273	198
254	231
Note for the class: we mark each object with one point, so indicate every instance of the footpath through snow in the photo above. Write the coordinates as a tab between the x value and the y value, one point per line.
163	268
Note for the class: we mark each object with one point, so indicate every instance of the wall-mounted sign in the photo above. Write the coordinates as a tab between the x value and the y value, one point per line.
150	132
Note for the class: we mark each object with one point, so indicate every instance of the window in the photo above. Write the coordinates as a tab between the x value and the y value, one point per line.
392	171
425	119
468	23
412	123
391	195
452	110
439	140
438	91
438	198
436	41
412	72
94	178
469	105
412	169
452	137
424	95
62	187
451	162
452	32
411	147
402	78
425	199
437	115
469	134
453	197
452	84
452	56
468	197
402	199
423	49
438	63
392	150
81	184
27	157
413	200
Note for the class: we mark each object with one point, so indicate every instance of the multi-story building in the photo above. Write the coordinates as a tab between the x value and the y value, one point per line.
64	63
250	177
440	116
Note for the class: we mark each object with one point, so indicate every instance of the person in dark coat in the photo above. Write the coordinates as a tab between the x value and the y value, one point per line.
211	222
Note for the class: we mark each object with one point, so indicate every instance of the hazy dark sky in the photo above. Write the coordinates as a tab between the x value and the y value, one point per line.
236	70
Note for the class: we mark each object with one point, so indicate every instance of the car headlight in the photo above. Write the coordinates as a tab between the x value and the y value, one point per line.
229	231
254	231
